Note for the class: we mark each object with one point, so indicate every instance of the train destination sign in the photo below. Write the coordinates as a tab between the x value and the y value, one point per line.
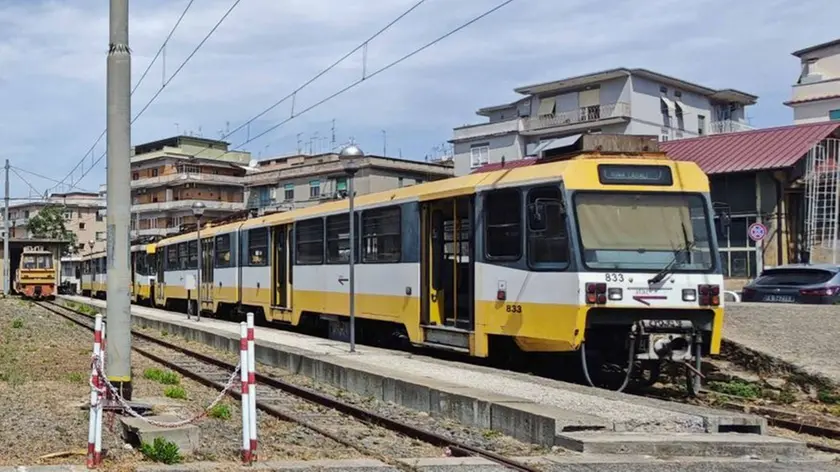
617	174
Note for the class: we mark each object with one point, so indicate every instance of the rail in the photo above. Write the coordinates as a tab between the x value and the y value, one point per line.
457	448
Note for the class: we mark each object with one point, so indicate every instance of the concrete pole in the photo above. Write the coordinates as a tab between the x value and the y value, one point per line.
7	281
118	329
198	271
352	265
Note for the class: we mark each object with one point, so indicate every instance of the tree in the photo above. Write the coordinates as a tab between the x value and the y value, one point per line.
49	223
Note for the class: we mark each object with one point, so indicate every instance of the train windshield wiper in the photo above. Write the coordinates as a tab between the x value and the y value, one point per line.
687	246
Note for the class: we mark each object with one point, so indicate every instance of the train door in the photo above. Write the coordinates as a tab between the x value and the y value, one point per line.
135	290
206	290
160	280
281	267
447	302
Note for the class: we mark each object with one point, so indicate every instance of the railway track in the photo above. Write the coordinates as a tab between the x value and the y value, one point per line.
342	422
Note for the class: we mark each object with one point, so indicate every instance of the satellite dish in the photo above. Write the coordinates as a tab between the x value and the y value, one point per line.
254	163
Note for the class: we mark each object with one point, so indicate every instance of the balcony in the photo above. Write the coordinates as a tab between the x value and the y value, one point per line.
186	205
187	177
486	129
728	126
580	116
153	232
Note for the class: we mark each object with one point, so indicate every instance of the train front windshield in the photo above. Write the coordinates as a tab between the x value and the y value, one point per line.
624	231
39	261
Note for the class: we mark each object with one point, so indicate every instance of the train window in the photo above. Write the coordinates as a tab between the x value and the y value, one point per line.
503	216
223	253
172	258
258	247
338	239
192	262
29	262
381	235
183	257
548	238
309	237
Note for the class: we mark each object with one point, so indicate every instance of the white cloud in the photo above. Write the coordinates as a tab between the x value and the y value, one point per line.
53	62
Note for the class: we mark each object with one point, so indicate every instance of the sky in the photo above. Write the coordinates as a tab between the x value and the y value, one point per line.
53	67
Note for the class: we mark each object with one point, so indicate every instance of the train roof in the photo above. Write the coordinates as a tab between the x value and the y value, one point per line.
579	172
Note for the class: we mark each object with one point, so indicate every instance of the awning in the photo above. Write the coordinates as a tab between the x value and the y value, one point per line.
556	143
668	103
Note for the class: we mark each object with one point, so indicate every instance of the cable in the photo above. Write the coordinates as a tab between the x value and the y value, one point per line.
324	71
163	46
35	174
149	103
37	192
375	73
184	63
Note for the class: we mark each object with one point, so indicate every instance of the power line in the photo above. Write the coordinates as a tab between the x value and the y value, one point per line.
317	76
378	71
40	176
163	46
37	192
149	103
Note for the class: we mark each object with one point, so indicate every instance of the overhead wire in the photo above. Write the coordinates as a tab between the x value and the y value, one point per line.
142	77
37	192
41	176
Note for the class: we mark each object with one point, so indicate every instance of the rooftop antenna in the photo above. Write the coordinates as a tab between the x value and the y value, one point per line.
384	143
299	149
332	142
177	129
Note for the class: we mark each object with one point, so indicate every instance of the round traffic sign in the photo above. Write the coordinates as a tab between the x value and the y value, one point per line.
757	231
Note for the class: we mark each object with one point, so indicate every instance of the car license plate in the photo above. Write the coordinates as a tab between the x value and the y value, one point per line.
778	298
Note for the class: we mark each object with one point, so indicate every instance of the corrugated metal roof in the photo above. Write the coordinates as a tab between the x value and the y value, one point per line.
771	148
508	165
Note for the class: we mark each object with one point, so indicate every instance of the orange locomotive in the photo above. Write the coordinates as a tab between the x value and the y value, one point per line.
35	276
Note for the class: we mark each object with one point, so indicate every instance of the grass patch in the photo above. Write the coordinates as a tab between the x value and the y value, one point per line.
162	451
76	377
17	323
736	388
827	396
220	412
165	377
175	391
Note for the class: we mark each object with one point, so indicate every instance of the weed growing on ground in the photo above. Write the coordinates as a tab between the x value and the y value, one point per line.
17	323
736	388
162	451
175	391
76	377
827	396
220	411
165	377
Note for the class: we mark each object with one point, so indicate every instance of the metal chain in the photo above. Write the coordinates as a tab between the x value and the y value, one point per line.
97	364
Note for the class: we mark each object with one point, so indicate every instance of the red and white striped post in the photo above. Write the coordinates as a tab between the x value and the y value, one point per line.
246	408
252	388
95	422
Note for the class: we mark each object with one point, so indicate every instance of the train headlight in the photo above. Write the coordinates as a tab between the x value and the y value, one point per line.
689	295
614	293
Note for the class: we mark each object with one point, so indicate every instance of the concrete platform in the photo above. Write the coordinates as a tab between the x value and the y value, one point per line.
136	431
683	444
801	336
528	408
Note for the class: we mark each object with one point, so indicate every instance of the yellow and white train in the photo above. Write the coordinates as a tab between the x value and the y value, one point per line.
614	254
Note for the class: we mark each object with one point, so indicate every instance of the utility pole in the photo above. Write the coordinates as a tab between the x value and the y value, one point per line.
384	143
7	281
118	355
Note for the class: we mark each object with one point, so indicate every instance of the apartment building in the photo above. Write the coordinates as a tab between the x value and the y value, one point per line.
81	212
816	94
617	101
170	175
296	181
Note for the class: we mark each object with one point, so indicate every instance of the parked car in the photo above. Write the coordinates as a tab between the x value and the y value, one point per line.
796	283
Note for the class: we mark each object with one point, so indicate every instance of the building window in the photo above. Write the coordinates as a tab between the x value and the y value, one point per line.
666	112
834	114
314	188
258	247
26	214
101	236
663	89
309	236
223	252
381	235
81	226
677	93
503	234
135	175
264	196
289	192
701	125
341	184
679	112
154	172
399	182
479	155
